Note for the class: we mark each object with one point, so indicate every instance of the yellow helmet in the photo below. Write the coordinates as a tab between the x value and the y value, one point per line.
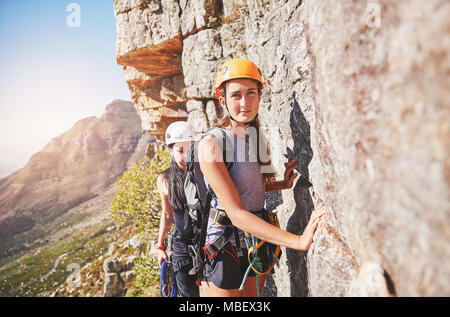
237	68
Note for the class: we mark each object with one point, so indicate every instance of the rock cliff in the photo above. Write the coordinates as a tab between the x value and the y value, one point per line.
357	92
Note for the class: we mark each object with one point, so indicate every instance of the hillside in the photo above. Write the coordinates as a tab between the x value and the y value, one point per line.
59	202
73	167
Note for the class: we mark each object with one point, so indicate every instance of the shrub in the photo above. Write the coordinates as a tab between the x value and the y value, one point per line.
146	270
137	199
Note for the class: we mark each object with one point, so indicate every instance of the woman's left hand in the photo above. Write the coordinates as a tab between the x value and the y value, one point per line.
289	173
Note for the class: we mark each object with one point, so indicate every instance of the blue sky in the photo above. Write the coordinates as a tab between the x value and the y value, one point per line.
53	75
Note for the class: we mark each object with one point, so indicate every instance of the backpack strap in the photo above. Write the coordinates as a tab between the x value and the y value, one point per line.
227	147
193	170
202	237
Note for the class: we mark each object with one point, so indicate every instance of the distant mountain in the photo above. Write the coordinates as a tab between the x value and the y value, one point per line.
72	168
15	157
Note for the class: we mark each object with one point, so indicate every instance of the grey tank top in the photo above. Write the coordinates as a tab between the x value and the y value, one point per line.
248	179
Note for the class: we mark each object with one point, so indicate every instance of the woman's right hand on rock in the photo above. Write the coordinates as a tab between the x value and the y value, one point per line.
308	234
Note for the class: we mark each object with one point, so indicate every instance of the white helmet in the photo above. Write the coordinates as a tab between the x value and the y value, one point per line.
178	131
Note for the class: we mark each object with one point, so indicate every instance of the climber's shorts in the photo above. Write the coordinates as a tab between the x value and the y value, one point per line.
186	286
226	270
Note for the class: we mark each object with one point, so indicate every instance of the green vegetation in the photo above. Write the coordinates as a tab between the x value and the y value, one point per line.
147	278
31	275
137	198
14	225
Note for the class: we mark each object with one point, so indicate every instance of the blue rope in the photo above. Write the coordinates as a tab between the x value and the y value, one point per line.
165	280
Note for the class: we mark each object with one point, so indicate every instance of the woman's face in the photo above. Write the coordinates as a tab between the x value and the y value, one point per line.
242	99
179	151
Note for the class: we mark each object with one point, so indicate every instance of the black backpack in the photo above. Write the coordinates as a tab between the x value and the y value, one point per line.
198	198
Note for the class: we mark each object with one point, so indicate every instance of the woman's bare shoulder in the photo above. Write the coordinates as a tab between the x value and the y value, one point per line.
161	183
207	149
208	140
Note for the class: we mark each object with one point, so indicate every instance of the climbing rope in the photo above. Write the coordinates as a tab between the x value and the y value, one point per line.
167	286
255	263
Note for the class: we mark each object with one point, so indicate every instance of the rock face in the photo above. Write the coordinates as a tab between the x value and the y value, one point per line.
363	86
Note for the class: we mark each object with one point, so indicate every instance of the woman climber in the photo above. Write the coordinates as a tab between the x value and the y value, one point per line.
170	186
240	191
